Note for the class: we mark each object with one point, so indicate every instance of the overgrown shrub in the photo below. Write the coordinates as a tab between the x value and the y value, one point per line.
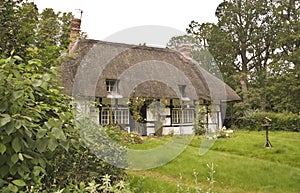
80	166
40	146
119	135
35	121
280	121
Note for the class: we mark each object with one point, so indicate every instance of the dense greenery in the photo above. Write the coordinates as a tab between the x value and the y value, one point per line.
40	147
32	34
242	164
122	136
255	44
253	120
35	121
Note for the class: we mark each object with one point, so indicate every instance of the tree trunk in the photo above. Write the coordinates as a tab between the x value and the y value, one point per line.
263	102
244	86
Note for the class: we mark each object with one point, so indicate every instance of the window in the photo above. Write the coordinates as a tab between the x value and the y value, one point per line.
182	90
182	116
188	115
176	116
119	116
105	116
112	85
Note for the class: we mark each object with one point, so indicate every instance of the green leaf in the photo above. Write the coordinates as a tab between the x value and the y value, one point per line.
18	58
45	85
37	83
18	124
14	158
34	61
10	128
12	188
52	144
13	169
41	133
3	106
4	170
19	183
2	148
21	157
65	144
37	170
30	94
16	73
5	119
58	133
27	156
48	125
21	172
17	94
16	144
41	145
6	139
42	162
55	122
46	77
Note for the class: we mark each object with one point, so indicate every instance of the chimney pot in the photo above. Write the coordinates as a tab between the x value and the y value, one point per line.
185	49
75	31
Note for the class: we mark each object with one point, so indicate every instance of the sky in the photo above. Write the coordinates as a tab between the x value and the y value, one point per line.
135	21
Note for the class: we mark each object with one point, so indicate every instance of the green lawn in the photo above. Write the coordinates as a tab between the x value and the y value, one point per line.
242	164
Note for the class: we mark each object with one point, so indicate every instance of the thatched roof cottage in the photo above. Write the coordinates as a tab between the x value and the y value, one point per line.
172	86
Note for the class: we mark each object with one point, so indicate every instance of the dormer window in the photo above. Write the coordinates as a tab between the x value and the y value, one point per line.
183	96
112	85
182	90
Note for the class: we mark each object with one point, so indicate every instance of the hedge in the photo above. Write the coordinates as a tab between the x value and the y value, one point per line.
280	121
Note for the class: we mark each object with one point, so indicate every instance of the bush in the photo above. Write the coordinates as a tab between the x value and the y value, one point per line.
280	121
97	156
80	166
40	146
35	122
122	136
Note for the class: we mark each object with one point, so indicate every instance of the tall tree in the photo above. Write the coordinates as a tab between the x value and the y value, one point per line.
18	22
32	34
244	38
286	69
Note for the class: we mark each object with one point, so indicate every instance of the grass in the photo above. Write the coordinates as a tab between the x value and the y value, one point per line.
242	165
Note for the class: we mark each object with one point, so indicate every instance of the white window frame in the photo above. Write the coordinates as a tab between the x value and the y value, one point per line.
182	116
112	85
120	116
105	116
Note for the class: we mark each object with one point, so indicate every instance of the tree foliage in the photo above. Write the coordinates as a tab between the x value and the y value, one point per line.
256	43
32	34
40	148
35	120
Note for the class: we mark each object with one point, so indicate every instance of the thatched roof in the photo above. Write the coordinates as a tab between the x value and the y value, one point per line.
141	70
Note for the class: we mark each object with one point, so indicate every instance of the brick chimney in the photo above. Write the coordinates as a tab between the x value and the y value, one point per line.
185	49
75	31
